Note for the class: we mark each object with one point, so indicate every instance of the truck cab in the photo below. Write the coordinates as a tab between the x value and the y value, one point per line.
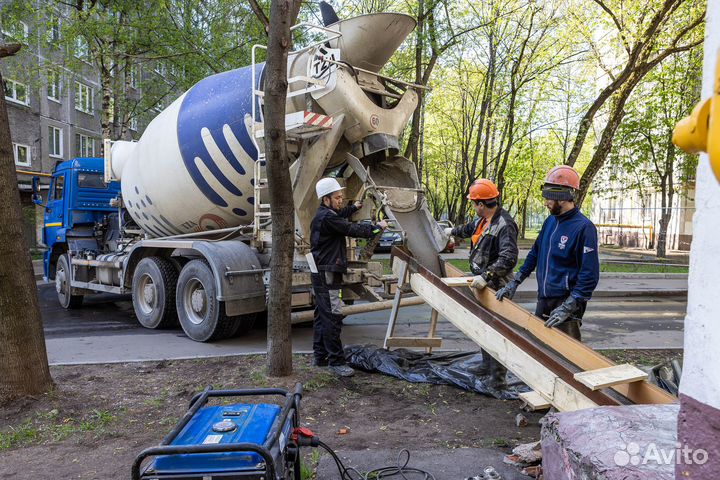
78	200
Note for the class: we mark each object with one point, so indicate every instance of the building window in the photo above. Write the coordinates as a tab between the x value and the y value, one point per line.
84	145
55	141
134	124
53	29
53	85
133	76
161	68
83	98
16	92
17	30
22	155
82	50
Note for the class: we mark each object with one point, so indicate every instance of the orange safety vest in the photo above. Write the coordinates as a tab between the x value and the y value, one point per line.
479	230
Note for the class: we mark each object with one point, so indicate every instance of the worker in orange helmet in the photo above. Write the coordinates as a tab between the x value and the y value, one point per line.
564	255
493	249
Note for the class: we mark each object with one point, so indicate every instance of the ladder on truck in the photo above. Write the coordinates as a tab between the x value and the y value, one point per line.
299	125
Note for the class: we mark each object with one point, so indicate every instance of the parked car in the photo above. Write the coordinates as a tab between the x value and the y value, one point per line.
388	239
450	247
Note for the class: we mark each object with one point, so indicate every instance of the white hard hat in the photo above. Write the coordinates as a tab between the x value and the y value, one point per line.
326	186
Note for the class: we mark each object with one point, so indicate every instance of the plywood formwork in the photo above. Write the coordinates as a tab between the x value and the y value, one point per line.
541	359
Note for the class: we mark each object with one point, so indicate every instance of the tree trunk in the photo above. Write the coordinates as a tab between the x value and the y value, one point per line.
411	150
668	192
280	185
23	359
106	117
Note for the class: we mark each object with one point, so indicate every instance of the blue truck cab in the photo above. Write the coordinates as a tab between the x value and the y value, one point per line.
78	201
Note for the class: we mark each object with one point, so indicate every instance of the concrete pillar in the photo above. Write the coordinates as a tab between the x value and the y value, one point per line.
699	418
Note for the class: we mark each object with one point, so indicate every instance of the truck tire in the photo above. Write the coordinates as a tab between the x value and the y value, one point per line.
153	292
202	316
62	284
243	324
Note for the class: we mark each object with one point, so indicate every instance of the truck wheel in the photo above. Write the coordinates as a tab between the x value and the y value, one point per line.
202	316
153	292
62	284
243	324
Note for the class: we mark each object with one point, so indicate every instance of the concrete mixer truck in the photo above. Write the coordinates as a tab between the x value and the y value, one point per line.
180	219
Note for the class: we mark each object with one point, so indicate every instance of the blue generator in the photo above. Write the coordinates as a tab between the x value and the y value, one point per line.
243	441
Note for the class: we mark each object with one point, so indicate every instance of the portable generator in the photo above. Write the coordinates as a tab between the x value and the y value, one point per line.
236	441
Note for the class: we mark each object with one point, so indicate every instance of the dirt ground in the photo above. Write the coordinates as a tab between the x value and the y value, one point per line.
100	416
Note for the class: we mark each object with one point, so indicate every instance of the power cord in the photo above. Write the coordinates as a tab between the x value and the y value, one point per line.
351	473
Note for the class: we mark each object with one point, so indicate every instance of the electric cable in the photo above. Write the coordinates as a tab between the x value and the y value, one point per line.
400	469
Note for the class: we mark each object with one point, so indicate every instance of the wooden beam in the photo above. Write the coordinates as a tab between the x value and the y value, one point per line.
427	342
530	370
582	356
457	281
433	327
534	401
610	376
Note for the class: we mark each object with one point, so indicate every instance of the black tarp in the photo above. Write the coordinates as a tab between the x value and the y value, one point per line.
465	370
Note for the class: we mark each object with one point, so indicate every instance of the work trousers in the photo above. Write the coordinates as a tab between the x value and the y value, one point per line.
327	346
572	327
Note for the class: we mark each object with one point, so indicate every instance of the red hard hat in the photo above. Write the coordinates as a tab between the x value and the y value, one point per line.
565	176
483	189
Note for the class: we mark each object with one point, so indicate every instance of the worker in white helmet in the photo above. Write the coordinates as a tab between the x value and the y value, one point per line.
328	232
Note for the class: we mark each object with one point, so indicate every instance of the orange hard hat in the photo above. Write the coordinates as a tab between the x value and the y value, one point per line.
482	189
563	175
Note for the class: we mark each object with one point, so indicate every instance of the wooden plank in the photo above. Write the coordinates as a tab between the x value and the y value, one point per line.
413	342
402	276
578	353
457	281
433	327
610	376
530	370
534	400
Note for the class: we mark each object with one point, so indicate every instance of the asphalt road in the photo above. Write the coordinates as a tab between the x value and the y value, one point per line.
105	330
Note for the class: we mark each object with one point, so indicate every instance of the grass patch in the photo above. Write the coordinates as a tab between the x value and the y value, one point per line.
319	381
639	268
20	435
308	470
36	432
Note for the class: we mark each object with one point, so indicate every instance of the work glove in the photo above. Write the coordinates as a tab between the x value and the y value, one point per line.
448	230
508	291
479	282
563	313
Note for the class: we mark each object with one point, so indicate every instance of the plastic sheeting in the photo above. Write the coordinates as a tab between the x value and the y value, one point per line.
465	370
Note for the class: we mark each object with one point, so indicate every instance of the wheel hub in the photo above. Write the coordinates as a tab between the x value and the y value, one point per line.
149	294
198	300
60	281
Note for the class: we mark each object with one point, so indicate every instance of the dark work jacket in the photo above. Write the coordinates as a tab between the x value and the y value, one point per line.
496	251
327	237
565	257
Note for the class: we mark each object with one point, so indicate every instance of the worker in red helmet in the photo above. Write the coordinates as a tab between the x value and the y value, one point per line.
493	249
564	256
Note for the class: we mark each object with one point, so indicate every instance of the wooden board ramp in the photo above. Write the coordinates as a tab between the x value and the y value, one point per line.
534	401
577	353
545	359
610	376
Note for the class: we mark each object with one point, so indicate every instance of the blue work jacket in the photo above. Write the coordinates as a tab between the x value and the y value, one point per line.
565	257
